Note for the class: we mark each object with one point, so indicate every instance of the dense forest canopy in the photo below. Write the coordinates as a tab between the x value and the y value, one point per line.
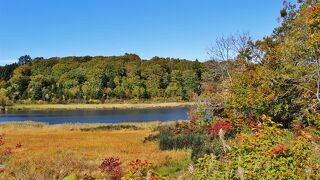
115	77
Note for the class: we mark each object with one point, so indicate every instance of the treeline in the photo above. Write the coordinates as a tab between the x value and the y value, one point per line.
101	78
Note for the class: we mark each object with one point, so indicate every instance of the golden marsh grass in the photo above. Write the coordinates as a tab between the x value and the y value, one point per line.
54	151
98	106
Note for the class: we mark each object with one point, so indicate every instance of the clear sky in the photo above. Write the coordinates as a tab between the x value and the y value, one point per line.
166	28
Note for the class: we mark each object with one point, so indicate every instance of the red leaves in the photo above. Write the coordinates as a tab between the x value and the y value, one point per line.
220	125
112	167
7	151
2	140
279	149
18	146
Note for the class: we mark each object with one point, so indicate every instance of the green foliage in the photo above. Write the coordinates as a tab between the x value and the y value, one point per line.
188	135
7	71
4	100
209	167
111	127
173	169
69	178
278	76
180	141
26	59
267	152
116	77
19	82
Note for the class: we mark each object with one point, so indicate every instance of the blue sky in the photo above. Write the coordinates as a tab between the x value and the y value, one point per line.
166	28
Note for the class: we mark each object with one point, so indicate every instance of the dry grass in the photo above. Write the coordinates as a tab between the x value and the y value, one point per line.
97	106
54	151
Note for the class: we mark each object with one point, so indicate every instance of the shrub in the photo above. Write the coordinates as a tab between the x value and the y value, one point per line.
18	145
179	141
201	139
111	127
152	137
2	140
69	178
269	152
207	146
140	170
111	167
220	125
7	151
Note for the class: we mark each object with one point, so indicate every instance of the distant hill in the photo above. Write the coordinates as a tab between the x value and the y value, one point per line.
102	77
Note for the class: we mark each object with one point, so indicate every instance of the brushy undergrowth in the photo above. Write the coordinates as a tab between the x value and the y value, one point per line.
23	124
111	127
267	152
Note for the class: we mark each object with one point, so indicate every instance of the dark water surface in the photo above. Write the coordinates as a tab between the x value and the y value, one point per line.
97	116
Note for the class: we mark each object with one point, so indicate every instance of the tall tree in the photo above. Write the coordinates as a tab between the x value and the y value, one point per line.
26	59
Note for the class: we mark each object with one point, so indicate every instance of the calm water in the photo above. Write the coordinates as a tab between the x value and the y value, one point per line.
98	116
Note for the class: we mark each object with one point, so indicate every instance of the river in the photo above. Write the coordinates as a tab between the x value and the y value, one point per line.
97	116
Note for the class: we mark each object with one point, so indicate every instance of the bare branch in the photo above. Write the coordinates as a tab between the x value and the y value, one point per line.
226	49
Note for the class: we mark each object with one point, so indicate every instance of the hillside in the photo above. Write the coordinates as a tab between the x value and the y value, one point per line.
100	78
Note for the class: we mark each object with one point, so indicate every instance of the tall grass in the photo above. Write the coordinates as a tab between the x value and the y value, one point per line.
97	106
55	151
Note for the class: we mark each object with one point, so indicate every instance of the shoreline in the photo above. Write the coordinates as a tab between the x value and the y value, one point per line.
36	124
17	107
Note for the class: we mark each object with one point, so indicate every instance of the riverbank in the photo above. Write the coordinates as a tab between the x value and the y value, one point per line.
97	106
42	151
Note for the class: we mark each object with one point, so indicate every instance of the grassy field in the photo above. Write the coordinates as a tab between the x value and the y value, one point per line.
96	106
55	151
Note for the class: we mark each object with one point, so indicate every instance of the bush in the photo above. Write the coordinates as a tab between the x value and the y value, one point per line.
211	146
189	135
179	141
152	137
268	152
111	127
111	167
140	170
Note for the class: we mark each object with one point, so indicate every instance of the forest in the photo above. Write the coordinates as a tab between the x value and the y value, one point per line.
70	79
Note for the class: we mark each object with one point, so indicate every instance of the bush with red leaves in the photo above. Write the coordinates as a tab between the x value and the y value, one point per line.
111	167
279	149
220	125
2	168
1	139
7	151
19	145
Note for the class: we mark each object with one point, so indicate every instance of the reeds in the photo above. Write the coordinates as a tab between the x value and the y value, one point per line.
55	151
